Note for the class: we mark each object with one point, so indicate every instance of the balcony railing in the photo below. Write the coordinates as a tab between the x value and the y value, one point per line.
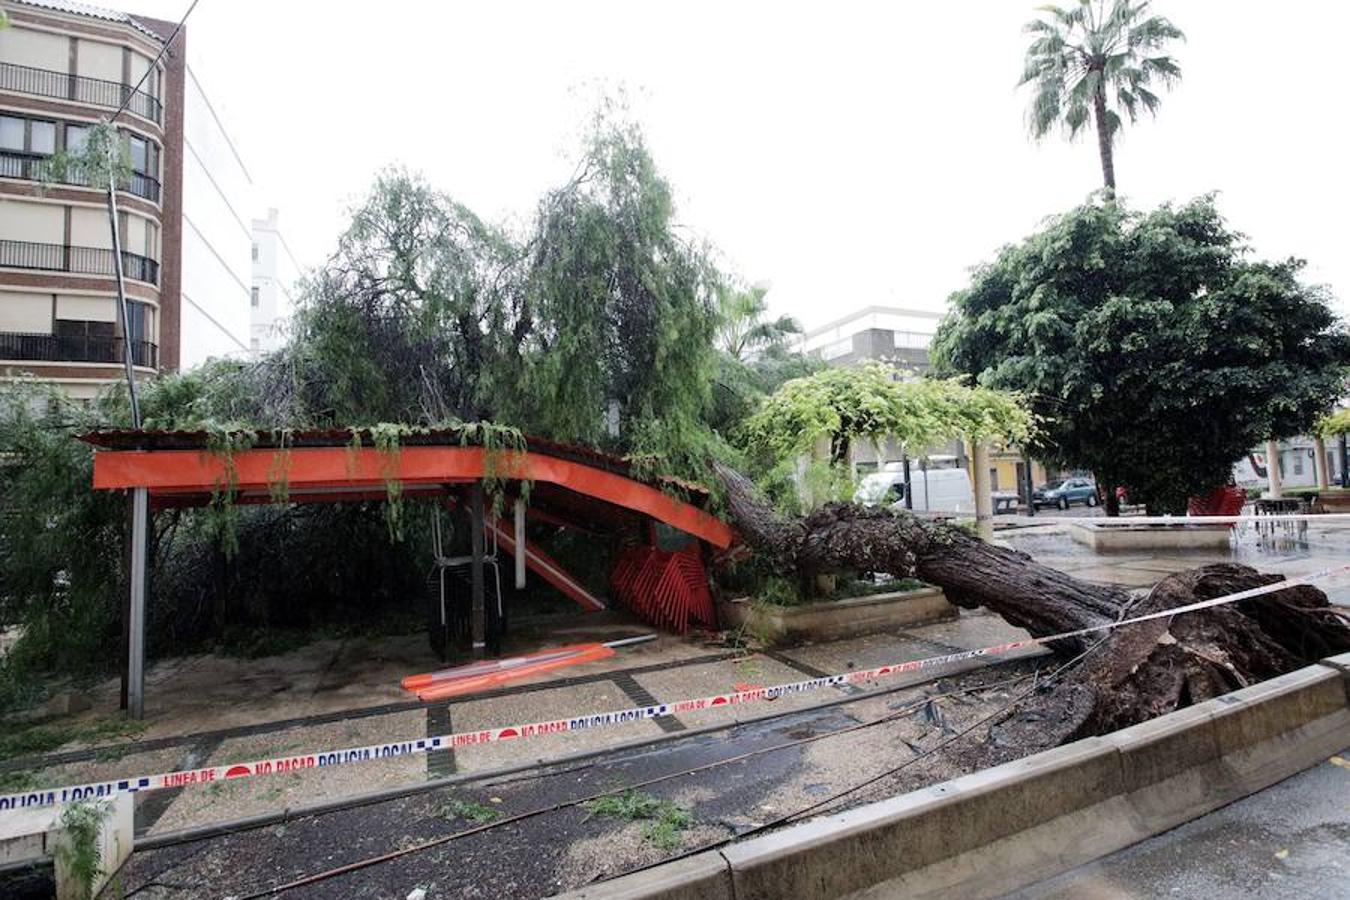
77	260
29	166
74	348
78	88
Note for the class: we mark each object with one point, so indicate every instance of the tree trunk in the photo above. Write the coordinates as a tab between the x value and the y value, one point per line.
1130	674
1104	138
1106	483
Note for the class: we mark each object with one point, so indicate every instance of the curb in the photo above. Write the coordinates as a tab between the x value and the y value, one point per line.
991	832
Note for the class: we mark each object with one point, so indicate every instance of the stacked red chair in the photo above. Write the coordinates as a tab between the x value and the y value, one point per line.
667	589
1222	501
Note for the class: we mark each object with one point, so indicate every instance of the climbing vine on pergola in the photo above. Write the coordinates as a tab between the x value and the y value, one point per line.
875	402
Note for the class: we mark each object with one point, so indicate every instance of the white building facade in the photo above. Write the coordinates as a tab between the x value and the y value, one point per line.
276	274
218	199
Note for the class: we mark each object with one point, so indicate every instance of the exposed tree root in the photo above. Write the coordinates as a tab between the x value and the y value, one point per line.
1132	674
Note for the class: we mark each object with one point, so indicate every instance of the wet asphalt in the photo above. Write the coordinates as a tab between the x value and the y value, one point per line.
1291	840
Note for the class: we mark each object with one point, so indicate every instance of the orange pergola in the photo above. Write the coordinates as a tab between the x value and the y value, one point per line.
569	483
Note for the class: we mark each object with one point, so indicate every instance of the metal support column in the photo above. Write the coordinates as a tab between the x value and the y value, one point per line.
519	511
478	616
909	492
1030	486
140	532
1345	461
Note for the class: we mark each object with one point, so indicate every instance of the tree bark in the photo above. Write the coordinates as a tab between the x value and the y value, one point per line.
1104	138
1106	483
1129	674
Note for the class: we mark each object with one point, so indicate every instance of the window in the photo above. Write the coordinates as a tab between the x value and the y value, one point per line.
76	137
43	138
255	252
11	133
1298	463
27	135
253	295
140	153
138	320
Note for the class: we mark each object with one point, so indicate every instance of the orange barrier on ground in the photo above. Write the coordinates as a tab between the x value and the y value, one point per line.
490	673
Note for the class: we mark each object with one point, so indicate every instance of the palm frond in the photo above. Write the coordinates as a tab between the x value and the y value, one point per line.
1087	50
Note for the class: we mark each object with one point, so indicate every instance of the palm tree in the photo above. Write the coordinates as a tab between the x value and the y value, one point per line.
1088	62
741	326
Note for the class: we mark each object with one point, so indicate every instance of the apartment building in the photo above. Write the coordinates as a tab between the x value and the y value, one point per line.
902	337
275	276
887	333
64	67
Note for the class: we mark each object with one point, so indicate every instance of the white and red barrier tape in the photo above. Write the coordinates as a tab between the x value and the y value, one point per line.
328	758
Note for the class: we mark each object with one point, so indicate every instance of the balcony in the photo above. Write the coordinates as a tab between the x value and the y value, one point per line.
29	167
75	348
76	260
78	89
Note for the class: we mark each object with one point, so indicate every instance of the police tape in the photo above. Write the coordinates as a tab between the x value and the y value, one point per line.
339	757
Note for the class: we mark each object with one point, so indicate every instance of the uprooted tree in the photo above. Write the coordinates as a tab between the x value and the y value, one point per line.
1127	675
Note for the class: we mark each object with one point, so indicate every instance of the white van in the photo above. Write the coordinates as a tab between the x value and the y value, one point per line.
935	490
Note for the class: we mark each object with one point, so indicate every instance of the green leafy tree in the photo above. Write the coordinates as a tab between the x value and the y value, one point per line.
621	309
753	356
416	315
1153	350
839	406
1333	424
1092	64
743	328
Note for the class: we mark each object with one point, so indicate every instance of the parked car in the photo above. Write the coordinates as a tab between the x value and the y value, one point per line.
1065	492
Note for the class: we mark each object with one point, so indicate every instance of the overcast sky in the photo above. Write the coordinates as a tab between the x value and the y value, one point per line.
846	153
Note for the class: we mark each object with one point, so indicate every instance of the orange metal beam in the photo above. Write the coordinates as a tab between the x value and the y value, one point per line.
547	568
167	472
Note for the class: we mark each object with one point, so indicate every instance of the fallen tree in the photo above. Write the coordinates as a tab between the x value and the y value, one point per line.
1127	675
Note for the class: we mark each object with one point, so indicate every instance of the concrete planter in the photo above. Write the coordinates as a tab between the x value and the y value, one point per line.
1124	536
1334	501
830	620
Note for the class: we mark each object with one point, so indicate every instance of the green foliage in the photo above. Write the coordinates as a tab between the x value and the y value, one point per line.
1333	424
665	821
742	327
872	402
778	591
60	542
24	741
81	853
105	158
1152	350
469	810
623	306
1089	63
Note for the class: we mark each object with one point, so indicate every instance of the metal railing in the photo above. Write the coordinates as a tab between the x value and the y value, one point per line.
74	348
143	186
79	88
29	166
77	260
